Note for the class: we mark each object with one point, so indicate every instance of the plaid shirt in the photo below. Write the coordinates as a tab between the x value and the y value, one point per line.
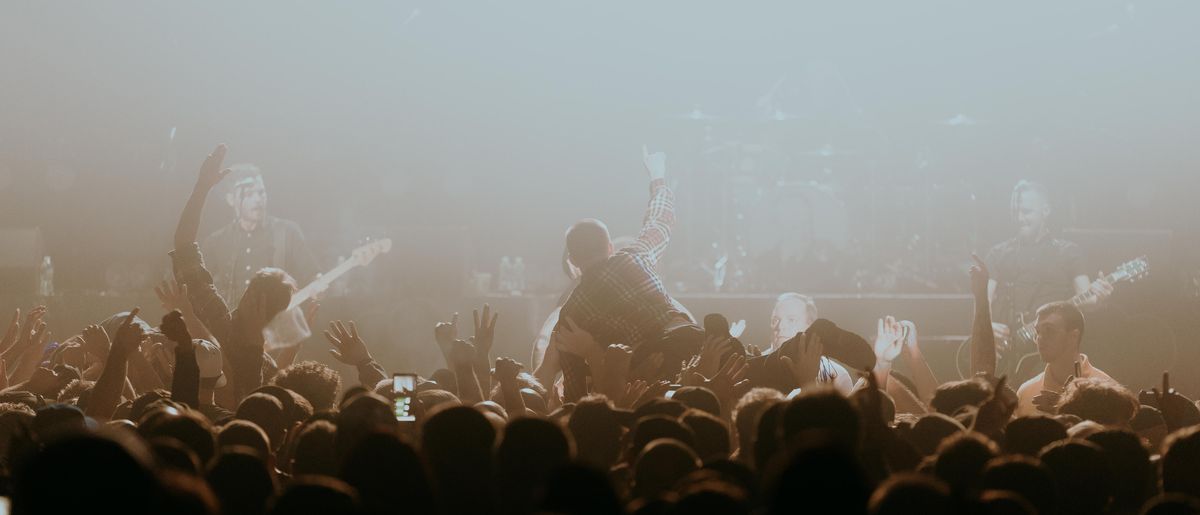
622	300
243	349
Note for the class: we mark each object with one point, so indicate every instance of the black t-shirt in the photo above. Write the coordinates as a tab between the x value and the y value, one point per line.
1030	274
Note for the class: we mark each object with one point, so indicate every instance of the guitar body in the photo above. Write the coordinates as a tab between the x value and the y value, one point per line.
1017	355
289	327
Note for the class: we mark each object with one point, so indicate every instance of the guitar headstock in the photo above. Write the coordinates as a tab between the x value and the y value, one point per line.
365	254
1132	271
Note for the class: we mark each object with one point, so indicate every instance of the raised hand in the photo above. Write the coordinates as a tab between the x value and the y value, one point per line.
348	347
889	339
211	172
461	354
730	383
807	364
32	331
175	328
571	339
656	164
507	370
633	392
129	336
174	296
910	334
485	330
979	277
710	354
95	341
444	333
994	413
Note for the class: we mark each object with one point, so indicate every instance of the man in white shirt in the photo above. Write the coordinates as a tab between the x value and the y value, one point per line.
1059	335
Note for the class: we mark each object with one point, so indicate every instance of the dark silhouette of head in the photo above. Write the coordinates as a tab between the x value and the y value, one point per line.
532	449
363	415
911	493
186	426
244	433
699	397
961	459
1133	475
596	429
241	481
1029	434
822	410
266	412
655	427
269	291
581	490
588	243
745	418
1025	476
930	430
1181	453
1172	504
819	474
457	442
103	476
661	464
317	494
953	396
1083	475
388	475
711	433
314	452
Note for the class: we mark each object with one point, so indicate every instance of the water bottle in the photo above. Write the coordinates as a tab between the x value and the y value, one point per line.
46	278
518	276
504	283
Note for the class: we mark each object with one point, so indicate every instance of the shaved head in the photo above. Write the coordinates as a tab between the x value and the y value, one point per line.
588	242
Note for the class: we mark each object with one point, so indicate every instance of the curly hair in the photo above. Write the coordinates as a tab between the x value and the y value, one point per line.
314	381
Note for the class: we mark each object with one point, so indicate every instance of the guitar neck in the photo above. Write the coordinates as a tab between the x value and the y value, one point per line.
1080	298
319	284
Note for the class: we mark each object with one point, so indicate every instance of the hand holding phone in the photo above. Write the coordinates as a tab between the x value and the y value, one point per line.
404	388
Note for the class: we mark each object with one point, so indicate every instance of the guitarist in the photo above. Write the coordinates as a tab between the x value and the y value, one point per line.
1035	268
254	240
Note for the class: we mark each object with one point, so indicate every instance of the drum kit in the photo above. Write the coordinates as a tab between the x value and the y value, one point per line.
780	198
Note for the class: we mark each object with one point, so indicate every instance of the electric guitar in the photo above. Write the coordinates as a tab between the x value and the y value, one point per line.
289	328
1022	343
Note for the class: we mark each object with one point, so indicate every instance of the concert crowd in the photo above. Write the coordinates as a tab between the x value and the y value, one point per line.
629	404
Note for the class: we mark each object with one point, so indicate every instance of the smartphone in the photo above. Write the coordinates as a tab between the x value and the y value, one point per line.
404	387
671	390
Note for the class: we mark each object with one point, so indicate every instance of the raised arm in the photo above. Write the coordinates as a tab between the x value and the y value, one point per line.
655	234
193	280
106	394
211	173
983	341
185	382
